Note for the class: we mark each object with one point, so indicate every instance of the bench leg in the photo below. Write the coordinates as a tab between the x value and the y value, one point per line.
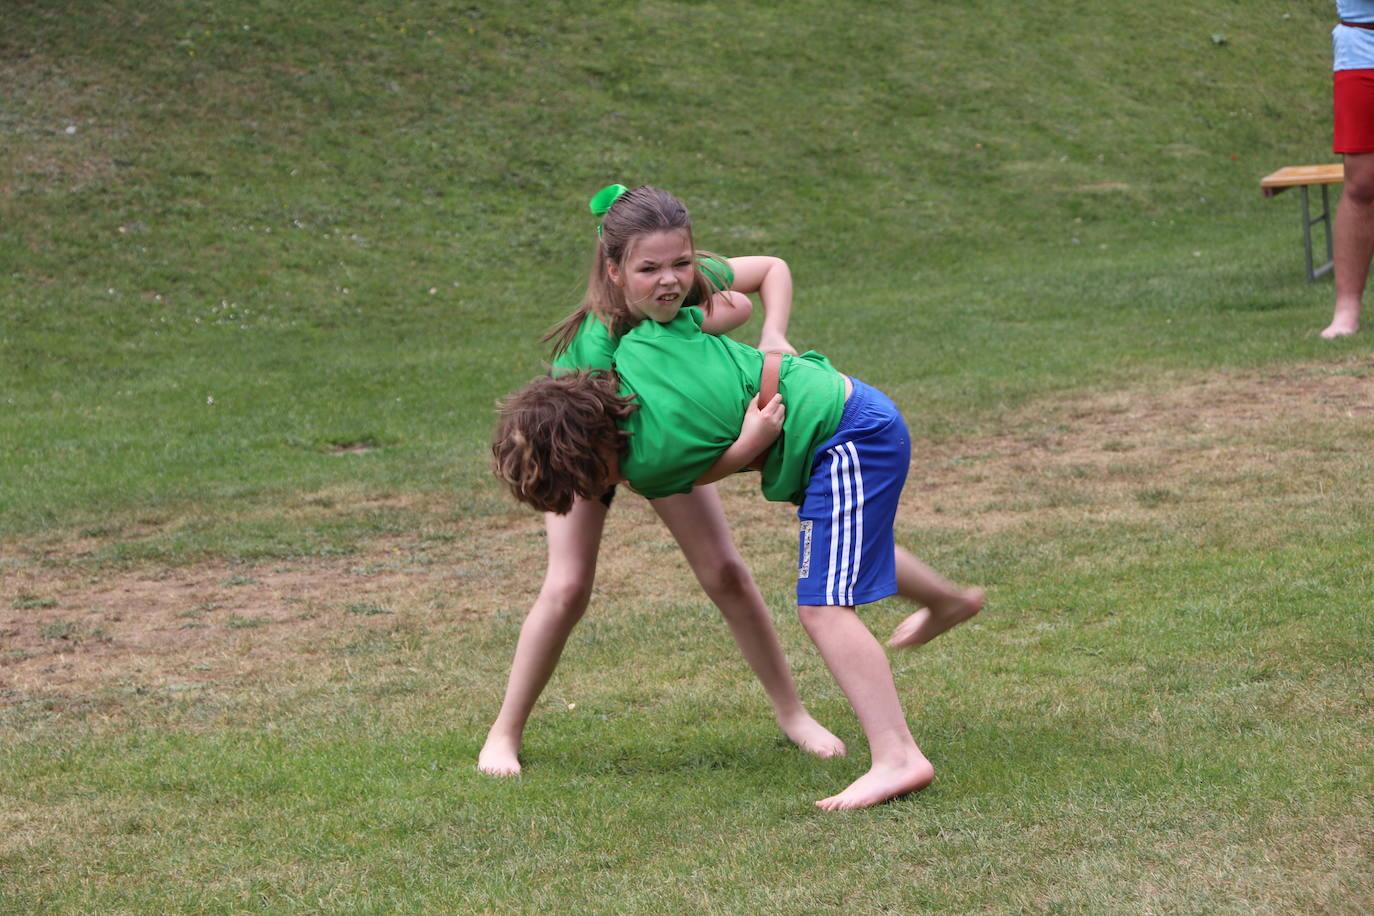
1307	235
1308	221
1326	220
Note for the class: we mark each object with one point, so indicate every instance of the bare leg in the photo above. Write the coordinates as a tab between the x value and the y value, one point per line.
573	542
860	667
697	521
944	604
1353	244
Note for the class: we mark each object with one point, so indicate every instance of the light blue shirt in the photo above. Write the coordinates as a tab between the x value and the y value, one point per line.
1354	48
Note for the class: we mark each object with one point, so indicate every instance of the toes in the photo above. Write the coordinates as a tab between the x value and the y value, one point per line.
499	770
828	750
842	803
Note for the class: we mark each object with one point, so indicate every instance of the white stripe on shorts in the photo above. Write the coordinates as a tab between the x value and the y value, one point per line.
858	520
846	480
834	526
846	524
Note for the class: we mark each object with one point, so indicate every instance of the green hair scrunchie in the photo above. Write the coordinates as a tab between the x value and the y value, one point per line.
603	200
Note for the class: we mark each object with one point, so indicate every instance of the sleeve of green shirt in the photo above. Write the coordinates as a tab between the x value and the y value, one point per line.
719	274
592	347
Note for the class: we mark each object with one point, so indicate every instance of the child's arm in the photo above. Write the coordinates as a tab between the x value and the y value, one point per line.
771	278
761	428
729	310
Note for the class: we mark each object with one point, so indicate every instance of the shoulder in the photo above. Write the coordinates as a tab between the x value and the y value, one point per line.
591	347
717	270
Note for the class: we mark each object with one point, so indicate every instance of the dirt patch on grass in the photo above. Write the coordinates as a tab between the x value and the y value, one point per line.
150	628
1204	445
68	628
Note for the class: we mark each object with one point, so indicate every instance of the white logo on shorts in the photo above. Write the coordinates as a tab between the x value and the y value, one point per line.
805	569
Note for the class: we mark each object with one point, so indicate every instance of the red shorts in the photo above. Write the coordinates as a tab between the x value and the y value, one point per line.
1354	111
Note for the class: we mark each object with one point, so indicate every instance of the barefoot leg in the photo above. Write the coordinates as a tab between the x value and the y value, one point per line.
697	521
573	541
945	604
860	667
1353	244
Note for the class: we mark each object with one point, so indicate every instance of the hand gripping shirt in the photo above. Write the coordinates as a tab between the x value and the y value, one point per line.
593	346
693	388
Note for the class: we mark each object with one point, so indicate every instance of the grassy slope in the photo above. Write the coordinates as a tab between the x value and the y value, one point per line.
981	209
1056	200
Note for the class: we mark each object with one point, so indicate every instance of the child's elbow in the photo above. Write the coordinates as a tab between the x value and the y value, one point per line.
741	306
778	265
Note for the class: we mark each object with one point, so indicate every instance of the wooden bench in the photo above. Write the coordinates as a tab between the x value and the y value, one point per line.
1300	177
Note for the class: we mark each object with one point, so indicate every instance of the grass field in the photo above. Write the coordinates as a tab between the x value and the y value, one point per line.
265	268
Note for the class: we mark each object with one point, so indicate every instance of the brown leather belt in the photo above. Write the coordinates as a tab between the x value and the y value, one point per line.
768	386
1358	25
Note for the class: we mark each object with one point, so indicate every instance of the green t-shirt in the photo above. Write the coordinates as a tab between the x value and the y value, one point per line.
593	347
693	388
718	273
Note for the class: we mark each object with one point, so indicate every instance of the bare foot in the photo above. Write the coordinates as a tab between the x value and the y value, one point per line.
1344	321
1341	327
880	784
812	737
499	756
929	622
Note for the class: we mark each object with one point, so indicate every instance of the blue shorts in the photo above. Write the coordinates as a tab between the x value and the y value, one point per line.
847	550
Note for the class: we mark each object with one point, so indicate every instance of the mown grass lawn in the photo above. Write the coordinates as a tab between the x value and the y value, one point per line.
264	269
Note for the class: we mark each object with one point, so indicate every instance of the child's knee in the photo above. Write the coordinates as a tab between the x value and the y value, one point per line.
566	597
729	577
813	616
1361	192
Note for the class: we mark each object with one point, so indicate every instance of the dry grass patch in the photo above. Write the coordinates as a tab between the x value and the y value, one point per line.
1285	436
68	629
212	622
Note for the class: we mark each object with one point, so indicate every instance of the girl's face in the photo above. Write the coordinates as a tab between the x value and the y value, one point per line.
658	274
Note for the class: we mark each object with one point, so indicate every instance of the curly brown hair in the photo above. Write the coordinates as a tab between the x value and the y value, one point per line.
553	436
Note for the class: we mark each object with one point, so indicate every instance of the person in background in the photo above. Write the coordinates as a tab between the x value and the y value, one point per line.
1353	137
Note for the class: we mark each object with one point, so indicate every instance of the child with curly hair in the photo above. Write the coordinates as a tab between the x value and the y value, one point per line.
683	408
634	279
